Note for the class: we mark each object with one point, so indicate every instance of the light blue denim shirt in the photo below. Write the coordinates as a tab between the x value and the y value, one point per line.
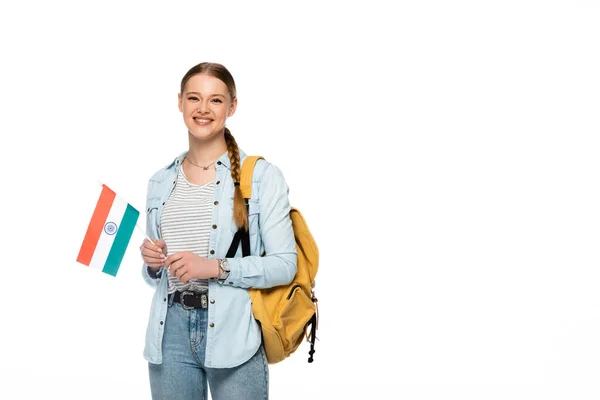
233	335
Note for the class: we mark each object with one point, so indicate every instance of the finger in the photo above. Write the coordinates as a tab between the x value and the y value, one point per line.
147	243
181	272
161	243
179	268
146	253
173	267
159	246
153	262
151	252
174	257
184	277
150	258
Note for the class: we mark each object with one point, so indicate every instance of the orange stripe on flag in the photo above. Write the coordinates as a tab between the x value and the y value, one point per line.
96	225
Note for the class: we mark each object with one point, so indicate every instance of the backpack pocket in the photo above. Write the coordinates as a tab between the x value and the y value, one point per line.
296	311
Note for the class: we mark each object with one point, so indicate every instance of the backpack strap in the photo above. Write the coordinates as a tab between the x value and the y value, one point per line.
246	178
246	185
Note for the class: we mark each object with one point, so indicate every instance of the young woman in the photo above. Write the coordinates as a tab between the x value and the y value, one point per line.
201	333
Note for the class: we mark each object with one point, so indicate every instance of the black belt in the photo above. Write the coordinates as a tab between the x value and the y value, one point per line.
189	300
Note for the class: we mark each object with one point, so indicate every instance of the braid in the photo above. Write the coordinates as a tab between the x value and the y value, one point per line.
240	214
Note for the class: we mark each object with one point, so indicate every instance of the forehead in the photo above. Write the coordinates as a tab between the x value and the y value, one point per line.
206	84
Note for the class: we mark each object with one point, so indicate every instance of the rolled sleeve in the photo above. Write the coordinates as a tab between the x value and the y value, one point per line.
278	266
150	276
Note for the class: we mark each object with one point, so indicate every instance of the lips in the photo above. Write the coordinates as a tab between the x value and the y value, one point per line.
202	121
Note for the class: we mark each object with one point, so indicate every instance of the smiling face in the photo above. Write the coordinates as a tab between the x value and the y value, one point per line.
206	104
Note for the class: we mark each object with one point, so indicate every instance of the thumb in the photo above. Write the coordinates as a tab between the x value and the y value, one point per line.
161	244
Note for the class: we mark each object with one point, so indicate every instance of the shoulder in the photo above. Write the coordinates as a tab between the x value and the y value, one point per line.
264	170
164	172
260	169
269	180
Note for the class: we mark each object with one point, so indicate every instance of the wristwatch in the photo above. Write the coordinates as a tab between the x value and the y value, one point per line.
224	267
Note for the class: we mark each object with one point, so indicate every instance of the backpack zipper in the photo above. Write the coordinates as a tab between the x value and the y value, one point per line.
292	291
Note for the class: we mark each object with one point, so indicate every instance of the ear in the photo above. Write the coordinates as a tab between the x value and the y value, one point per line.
180	102
232	107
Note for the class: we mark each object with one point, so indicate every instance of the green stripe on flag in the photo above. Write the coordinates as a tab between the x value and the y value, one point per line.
124	232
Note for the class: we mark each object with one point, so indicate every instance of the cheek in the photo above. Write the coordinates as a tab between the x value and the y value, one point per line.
221	116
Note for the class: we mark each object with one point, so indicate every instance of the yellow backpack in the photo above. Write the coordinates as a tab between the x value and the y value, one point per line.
285	312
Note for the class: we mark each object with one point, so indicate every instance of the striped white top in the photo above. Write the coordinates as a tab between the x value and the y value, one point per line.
185	225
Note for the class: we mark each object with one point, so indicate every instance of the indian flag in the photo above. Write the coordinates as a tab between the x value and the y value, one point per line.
108	234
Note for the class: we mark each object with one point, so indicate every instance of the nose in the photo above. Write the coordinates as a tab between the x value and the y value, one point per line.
202	108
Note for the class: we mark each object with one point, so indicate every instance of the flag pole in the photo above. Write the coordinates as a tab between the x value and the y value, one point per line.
141	230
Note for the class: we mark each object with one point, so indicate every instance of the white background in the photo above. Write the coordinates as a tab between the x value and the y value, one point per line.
445	156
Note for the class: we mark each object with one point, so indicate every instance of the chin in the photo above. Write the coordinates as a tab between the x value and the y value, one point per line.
204	132
202	135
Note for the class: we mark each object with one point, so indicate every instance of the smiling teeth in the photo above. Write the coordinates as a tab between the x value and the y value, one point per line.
202	121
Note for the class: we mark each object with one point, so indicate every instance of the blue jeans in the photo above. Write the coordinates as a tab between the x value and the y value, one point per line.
182	374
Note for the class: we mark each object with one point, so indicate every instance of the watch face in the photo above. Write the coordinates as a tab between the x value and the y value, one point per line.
225	265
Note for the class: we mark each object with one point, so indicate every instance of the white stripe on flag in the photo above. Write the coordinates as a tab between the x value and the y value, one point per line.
106	241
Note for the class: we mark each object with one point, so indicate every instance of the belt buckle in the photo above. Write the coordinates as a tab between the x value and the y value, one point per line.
182	298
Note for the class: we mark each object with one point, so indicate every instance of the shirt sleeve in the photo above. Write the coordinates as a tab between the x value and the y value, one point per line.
278	266
150	277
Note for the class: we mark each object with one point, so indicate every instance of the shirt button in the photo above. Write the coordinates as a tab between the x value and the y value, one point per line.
219	162
161	322
214	227
212	252
231	283
165	299
163	204
216	203
218	182
212	301
212	325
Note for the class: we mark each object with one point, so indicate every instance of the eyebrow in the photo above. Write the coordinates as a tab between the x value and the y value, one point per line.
198	94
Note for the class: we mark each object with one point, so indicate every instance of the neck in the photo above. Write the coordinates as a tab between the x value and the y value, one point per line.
206	152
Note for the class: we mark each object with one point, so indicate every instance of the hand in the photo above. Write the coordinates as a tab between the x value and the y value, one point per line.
154	255
186	265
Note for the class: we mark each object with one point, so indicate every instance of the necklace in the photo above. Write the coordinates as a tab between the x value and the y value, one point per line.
204	168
